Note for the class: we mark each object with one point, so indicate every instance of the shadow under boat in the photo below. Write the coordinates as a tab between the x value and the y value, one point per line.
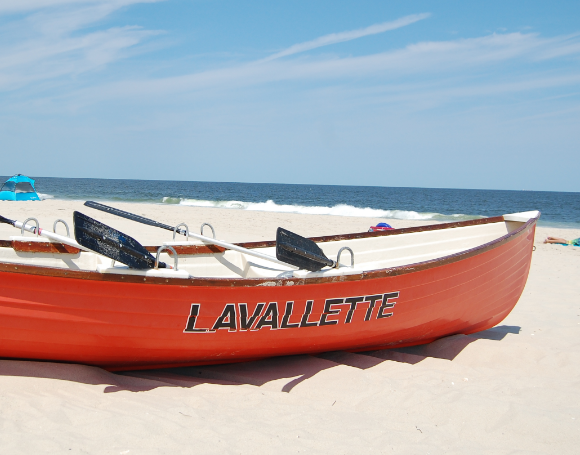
296	369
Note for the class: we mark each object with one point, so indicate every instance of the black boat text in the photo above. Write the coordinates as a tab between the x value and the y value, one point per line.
238	317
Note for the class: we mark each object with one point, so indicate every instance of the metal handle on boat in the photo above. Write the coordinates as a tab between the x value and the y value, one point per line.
210	226
339	253
37	226
186	231
166	247
65	225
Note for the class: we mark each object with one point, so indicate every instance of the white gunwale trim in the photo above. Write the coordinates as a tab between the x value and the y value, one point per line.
161	273
521	217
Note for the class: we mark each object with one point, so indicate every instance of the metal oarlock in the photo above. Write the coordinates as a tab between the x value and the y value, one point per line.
37	231
166	247
210	226
339	253
65	225
186	231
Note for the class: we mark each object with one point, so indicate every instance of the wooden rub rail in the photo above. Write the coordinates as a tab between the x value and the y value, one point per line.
209	249
59	248
43	247
192	249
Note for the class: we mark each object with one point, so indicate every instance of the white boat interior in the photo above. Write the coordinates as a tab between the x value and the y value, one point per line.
370	253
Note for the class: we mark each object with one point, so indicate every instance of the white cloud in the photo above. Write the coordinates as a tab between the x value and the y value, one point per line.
56	45
341	37
20	6
428	61
49	40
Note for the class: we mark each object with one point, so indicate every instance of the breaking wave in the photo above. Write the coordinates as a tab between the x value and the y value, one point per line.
336	210
43	196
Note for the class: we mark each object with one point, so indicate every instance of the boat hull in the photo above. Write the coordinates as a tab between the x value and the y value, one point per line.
146	323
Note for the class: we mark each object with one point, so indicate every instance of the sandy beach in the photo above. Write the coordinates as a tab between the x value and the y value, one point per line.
511	389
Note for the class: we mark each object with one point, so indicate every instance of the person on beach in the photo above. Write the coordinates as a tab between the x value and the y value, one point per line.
560	241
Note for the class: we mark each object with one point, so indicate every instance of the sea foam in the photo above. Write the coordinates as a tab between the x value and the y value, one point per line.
43	196
337	210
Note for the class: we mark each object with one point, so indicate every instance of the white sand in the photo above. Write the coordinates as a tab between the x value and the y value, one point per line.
511	389
231	225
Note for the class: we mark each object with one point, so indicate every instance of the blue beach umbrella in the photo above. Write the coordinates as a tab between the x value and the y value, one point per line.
18	188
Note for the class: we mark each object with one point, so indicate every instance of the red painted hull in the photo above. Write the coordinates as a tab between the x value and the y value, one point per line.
127	325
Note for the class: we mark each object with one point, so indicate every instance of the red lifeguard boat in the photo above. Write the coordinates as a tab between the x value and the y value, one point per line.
406	287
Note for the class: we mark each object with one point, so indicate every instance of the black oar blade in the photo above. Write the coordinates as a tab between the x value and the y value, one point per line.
6	220
111	243
300	251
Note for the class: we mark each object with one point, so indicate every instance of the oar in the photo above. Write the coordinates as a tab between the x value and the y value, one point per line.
111	243
131	216
293	249
100	238
48	234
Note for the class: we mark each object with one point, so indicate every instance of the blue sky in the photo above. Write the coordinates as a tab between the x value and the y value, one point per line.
448	94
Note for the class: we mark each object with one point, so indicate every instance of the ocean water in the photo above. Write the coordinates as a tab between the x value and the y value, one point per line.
437	204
